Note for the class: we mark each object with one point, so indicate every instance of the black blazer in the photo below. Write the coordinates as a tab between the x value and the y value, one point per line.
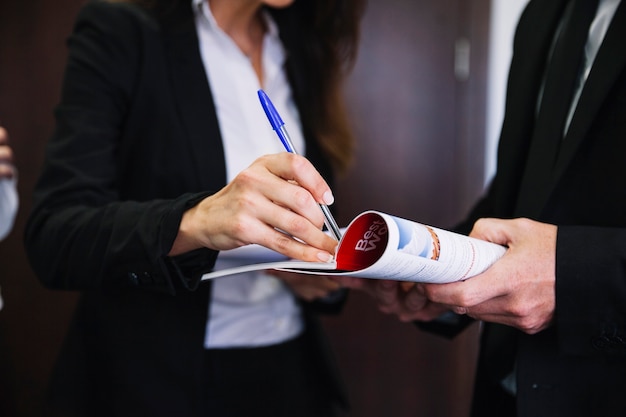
576	367
136	143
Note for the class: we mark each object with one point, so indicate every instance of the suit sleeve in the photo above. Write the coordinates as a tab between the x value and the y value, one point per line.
82	234
591	290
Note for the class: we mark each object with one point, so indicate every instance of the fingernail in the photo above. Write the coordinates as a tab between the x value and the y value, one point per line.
328	198
460	310
324	256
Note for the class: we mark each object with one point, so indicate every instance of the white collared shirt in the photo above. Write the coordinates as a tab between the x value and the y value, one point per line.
251	309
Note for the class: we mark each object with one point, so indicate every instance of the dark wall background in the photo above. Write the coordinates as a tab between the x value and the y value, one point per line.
420	127
33	320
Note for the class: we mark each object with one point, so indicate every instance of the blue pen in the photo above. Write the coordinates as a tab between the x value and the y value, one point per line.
279	127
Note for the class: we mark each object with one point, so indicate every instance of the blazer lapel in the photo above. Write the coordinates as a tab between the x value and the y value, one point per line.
533	39
605	70
193	98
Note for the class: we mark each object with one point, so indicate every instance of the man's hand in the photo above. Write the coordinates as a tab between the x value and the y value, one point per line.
403	299
519	289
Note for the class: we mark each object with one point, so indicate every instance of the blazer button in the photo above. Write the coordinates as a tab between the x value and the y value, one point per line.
600	343
145	278
133	278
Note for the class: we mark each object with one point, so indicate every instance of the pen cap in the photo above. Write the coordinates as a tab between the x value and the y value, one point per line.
270	111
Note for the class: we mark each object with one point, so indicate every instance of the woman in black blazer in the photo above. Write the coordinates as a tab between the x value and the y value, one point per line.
137	198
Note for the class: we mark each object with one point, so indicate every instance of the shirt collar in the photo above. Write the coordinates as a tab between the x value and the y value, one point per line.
201	8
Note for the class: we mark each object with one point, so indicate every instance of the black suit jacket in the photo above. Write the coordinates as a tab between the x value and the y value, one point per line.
577	366
137	142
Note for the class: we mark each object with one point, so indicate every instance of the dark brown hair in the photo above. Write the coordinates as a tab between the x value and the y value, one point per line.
322	37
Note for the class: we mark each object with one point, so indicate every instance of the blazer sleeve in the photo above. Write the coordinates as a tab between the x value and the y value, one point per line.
591	290
82	234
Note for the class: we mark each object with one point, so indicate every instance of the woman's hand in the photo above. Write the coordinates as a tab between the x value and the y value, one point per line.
274	203
7	170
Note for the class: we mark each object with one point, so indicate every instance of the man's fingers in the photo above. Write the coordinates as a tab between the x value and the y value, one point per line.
386	293
415	300
492	230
